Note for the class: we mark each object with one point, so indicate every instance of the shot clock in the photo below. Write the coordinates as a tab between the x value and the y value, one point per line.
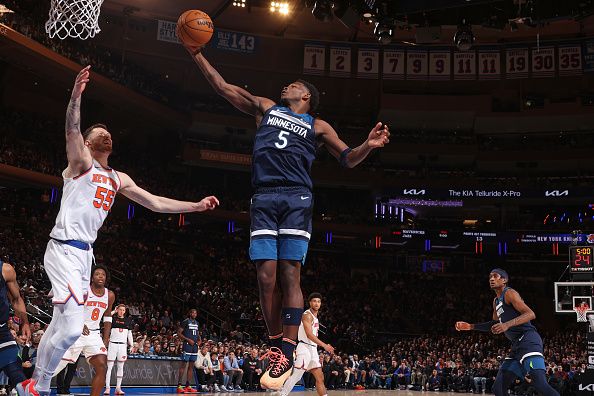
581	259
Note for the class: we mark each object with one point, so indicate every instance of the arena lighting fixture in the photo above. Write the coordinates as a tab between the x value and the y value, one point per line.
282	7
464	39
322	10
384	30
239	3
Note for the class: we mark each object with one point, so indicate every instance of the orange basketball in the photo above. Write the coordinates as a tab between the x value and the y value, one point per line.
194	28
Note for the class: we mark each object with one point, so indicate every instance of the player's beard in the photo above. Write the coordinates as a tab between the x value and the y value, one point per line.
102	147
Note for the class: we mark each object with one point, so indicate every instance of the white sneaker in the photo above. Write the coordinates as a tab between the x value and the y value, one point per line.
216	388
106	391
224	388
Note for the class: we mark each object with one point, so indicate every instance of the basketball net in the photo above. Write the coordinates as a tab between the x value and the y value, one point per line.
581	313
73	18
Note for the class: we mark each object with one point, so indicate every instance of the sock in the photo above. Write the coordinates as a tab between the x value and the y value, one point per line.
65	328
187	384
108	374
119	375
288	348
292	380
276	340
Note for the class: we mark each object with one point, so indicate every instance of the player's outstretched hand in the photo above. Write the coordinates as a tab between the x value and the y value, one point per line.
81	81
379	136
499	328
463	326
193	50
26	332
329	348
208	203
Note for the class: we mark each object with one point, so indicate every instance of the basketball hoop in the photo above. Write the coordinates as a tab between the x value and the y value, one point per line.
73	18
581	312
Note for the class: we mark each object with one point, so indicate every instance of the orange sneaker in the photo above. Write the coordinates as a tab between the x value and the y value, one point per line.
278	372
189	389
180	389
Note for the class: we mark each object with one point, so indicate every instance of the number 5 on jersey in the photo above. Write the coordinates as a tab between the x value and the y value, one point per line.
282	143
104	198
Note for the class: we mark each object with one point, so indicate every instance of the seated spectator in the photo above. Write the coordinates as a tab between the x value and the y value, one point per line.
233	371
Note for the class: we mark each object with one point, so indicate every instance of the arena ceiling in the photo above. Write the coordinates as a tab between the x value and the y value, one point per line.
415	21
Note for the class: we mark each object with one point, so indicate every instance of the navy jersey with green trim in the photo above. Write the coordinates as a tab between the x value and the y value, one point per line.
284	149
190	329
505	313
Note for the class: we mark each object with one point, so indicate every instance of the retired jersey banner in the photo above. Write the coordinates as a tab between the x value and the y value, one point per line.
588	52
465	65
368	62
314	58
393	66
416	65
570	59
440	64
489	64
516	63
340	61
543	62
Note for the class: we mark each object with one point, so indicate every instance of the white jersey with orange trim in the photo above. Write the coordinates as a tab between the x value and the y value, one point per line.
315	326
86	201
95	307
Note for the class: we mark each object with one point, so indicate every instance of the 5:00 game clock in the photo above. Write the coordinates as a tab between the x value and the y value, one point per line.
580	258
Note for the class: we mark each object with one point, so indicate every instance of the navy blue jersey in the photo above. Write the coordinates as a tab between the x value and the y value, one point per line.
284	149
190	327
4	303
505	313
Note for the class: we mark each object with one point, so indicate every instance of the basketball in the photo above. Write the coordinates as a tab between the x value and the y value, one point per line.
194	28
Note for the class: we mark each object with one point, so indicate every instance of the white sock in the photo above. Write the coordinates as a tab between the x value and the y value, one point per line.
292	380
64	329
108	374
120	374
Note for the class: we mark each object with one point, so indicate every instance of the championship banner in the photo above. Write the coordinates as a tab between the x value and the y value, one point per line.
570	59
543	62
393	65
340	61
440	64
314	58
166	32
516	63
588	56
465	65
416	64
368	62
489	64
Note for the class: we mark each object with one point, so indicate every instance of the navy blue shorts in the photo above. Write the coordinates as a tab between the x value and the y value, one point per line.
526	355
281	223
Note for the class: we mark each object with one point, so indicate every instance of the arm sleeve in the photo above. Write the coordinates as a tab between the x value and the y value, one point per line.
485	326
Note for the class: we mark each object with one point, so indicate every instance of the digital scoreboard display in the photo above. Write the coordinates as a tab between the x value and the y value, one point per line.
581	259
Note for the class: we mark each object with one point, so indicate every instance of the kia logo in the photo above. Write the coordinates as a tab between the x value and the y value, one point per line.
414	191
556	193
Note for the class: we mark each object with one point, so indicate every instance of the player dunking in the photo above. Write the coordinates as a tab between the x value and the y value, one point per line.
282	206
120	338
90	186
190	334
97	305
10	361
511	316
307	358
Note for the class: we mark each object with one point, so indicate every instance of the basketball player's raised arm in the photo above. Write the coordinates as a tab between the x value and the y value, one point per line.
79	157
484	327
513	298
107	317
237	96
349	158
161	204
14	295
307	320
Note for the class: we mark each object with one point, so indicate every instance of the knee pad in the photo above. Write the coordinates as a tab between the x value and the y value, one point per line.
292	316
539	381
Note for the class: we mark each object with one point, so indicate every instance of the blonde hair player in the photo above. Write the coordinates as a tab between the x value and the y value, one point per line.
307	358
98	305
120	338
90	187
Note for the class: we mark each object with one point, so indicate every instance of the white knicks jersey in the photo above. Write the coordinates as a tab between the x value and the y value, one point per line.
86	201
315	326
95	307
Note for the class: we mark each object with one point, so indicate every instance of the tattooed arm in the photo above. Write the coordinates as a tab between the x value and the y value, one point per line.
79	157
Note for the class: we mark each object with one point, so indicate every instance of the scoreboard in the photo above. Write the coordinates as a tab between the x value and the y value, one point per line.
581	259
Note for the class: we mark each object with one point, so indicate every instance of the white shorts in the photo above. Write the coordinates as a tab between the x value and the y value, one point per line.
90	345
307	357
69	271
117	352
